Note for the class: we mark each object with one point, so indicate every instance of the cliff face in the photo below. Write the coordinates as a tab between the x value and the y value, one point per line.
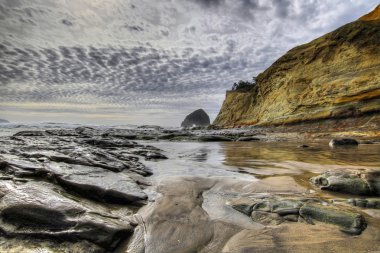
334	76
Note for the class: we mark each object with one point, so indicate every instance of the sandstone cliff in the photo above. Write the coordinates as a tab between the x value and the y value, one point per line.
334	76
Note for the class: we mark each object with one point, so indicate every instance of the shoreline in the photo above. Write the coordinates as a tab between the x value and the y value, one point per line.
189	191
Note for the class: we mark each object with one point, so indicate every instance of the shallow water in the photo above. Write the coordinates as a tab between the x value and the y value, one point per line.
189	192
241	166
244	169
259	159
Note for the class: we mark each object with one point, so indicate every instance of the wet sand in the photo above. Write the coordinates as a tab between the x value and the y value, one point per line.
189	213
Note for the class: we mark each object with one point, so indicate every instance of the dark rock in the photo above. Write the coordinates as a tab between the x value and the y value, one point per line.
303	146
365	203
12	165
243	205
214	127
119	135
149	155
212	138
109	143
30	133
38	210
86	131
246	138
343	142
96	183
348	221
276	210
62	132
196	118
151	127
346	181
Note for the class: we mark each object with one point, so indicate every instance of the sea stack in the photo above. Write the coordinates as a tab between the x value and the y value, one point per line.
196	118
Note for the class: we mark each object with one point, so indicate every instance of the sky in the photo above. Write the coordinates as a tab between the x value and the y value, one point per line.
139	62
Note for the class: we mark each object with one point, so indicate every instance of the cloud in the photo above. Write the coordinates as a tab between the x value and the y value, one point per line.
139	56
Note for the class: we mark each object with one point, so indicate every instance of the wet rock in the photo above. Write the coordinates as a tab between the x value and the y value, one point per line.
176	136
125	136
38	210
348	221
94	158
96	183
36	245
212	138
30	133
343	142
267	218
151	127
245	138
85	131
196	118
62	132
109	143
365	203
243	205
12	165
346	181
149	155
275	210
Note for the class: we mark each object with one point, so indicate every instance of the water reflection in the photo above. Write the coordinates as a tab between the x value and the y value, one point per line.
251	155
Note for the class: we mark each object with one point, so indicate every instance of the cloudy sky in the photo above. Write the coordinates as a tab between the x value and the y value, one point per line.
146	61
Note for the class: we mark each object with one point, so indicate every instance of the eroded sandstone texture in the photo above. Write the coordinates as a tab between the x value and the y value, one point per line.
332	77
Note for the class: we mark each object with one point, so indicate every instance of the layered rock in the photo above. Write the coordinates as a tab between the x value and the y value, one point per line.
275	210
196	118
334	76
77	187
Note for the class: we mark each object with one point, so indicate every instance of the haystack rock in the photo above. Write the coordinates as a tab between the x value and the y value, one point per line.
333	78
196	118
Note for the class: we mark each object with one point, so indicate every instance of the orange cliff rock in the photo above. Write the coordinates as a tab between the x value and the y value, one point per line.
335	76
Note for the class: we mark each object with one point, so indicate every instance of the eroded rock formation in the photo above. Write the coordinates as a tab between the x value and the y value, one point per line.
196	118
332	77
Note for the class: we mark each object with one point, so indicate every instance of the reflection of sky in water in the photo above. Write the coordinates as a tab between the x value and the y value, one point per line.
259	159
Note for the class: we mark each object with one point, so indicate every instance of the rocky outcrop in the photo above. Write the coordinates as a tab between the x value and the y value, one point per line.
275	210
73	186
349	181
332	77
38	210
3	121
196	118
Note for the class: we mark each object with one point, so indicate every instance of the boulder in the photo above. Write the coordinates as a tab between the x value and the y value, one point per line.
343	142
348	221
349	181
196	118
274	210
